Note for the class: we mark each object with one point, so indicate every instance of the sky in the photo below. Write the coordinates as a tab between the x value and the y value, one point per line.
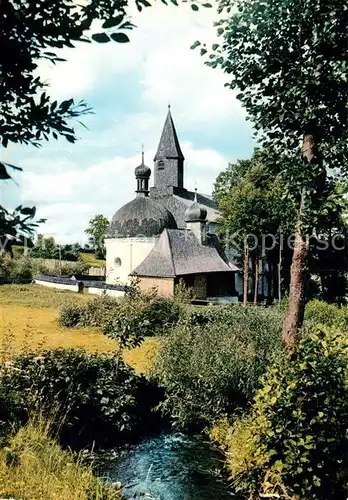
129	87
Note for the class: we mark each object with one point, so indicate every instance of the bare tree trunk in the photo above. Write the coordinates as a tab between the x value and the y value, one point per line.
280	267
256	290
295	312
246	276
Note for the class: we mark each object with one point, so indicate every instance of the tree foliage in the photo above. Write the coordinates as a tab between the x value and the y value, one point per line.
288	60
250	195
96	229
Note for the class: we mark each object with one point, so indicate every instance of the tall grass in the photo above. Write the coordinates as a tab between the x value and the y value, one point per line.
33	466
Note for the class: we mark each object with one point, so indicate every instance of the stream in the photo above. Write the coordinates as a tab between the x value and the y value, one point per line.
168	467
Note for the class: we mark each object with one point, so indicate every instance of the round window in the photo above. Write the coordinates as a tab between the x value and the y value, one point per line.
117	262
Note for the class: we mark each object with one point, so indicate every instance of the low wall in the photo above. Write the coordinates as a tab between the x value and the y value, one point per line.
105	291
93	286
72	287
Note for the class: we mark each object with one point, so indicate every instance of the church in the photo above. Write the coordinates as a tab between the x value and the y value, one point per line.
168	233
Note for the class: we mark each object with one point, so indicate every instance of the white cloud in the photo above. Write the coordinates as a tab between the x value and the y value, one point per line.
71	183
159	59
70	199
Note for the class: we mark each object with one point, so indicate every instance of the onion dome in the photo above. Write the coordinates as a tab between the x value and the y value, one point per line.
142	216
195	212
142	171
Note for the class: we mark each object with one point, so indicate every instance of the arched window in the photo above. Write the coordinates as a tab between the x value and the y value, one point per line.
160	165
118	262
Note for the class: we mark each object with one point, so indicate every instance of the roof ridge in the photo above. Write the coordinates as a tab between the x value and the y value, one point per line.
170	251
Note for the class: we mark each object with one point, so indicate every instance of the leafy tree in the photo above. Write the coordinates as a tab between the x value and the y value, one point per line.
288	60
97	228
250	195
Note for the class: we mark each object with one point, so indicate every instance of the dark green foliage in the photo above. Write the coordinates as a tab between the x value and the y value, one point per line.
96	313
90	397
212	362
138	318
24	268
295	439
127	320
288	61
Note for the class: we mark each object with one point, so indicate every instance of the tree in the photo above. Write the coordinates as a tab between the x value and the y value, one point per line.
288	60
250	195
97	228
29	32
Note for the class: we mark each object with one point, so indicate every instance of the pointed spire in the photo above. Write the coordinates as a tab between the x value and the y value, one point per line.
169	146
142	154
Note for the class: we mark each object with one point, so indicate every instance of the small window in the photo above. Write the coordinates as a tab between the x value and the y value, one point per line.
160	165
118	262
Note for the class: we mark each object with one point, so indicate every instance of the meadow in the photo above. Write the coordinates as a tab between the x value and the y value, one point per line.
29	322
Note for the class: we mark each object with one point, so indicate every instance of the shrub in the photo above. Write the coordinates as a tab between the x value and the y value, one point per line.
94	313
182	293
211	368
70	315
294	441
318	311
97	398
127	320
16	269
137	318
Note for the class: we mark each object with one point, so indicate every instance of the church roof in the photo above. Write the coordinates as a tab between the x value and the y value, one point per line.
142	216
178	253
169	146
177	204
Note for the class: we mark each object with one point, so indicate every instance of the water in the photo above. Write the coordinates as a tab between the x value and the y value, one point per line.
169	467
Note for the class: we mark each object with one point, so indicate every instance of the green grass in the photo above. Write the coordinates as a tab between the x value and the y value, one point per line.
29	322
38	296
89	258
34	467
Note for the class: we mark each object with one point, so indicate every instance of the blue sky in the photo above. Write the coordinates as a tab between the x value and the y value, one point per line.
129	87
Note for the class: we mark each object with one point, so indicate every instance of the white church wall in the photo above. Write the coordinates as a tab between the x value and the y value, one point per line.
123	255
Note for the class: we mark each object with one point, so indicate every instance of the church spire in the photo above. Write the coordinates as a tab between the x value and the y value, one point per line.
169	146
169	160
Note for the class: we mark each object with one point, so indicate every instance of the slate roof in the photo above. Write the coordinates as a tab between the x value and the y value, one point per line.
169	146
178	253
141	216
178	204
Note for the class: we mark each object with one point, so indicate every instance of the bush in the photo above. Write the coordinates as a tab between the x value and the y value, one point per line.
131	318
95	313
70	315
16	269
97	398
318	311
213	367
294	442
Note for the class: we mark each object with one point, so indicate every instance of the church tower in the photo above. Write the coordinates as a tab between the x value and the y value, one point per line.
169	161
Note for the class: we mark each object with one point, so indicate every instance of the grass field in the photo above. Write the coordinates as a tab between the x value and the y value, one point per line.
90	259
29	315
